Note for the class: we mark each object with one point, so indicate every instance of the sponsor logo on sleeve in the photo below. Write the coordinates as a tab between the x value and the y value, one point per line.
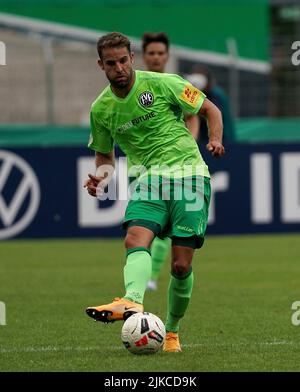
190	95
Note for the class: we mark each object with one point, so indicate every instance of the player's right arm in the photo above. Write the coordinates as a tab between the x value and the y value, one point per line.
102	143
105	167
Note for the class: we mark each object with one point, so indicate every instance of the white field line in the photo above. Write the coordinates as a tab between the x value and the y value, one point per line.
42	349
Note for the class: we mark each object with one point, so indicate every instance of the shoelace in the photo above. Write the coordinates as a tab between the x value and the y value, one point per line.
172	337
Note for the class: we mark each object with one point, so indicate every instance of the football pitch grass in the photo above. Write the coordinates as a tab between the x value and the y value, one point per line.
239	318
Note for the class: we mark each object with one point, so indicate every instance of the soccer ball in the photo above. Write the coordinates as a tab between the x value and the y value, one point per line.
143	333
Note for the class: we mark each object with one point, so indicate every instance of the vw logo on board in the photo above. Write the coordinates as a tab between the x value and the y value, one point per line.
19	194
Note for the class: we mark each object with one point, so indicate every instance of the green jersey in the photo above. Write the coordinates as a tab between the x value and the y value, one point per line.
148	124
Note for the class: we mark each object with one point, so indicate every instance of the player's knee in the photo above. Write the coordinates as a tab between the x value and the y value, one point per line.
138	236
131	240
134	240
180	267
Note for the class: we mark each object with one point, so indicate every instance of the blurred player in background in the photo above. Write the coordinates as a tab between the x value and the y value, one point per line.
202	78
155	51
155	48
143	113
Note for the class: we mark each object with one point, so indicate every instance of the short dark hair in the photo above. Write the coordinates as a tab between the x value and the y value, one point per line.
148	38
112	40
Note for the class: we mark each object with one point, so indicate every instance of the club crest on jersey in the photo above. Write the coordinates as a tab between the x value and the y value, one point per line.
146	99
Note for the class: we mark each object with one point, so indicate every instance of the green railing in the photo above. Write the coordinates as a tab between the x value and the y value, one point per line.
196	24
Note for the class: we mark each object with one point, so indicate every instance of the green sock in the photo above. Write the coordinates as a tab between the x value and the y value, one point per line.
159	251
179	294
137	272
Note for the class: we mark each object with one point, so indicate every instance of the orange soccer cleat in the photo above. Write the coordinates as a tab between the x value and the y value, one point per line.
172	344
119	309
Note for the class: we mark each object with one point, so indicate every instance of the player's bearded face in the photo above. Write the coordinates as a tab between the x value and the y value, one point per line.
117	64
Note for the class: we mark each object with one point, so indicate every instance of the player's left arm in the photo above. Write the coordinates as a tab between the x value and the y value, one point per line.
213	117
192	123
181	92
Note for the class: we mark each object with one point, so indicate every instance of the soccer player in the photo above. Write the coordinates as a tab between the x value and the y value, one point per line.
142	112
156	55
155	51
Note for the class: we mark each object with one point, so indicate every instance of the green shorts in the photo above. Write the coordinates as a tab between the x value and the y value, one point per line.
178	207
